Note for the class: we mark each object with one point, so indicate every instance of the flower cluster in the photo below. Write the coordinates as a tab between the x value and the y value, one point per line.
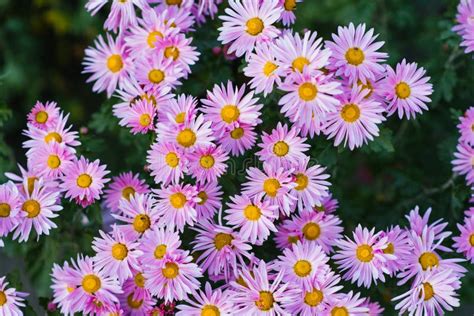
465	26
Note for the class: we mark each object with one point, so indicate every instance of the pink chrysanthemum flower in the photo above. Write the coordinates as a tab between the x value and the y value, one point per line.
94	306
311	185
210	195
10	206
272	184
108	63
156	244
166	162
206	8
424	257
328	205
374	308
116	253
355	53
38	209
178	48
176	204
138	214
466	127
397	245
356	120
139	117
11	300
60	276
418	224
288	16
155	71
282	147
207	163
406	90
465	242
136	285
346	304
363	259
179	110
463	163
317	228
122	13
257	295
221	249
295	53
431	294
263	69
302	263
31	176
43	116
208	302
247	22
124	186
465	26
136	306
174	277
254	218
287	235
225	106
52	159
238	139
87	282
84	181
181	20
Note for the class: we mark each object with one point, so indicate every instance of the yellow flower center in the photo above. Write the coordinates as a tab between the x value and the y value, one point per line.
222	239
302	268
203	196
119	251
206	161
255	26
299	63
160	251
313	298
3	298
139	280
186	138
172	159
390	249
339	311
269	68
252	212
178	200
364	253
152	37
230	113
210	310
141	223
115	63
91	283
471	239
429	292
180	117
41	117
290	5
428	260
170	271
156	76
174	2
144	120
32	208
402	90
127	192
53	161
271	186
237	133
265	301
172	52
53	136
31	184
307	91
281	148
301	181
134	304
355	56
5	209
293	239
311	231
350	112
84	180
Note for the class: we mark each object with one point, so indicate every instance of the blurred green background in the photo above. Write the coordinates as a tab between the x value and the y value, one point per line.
42	45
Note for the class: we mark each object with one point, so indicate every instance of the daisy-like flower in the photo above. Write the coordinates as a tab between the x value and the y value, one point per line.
61	288
174	277
346	304
207	163
287	235
224	106
124	186
136	285
238	139
116	253
138	214
31	176
37	211
374	308
418	223
155	70
221	249
311	185
263	69
256	295
464	243
272	184
139	117
179	19
295	53
179	110
254	217
208	302
288	16
43	116
83	181
282	147
356	119
355	53
210	195
156	244
397	245
465	27
406	90
108	63
10	206
466	126
122	13
166	162
431	294
247	22
178	48
463	163
136	306
328	205
363	259
52	159
176	204
11	300
302	263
